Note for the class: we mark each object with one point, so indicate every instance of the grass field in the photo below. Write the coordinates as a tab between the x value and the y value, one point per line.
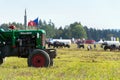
70	64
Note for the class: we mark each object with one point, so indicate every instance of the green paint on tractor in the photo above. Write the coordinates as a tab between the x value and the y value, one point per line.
28	44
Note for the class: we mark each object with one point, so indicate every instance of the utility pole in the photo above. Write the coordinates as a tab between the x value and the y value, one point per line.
25	20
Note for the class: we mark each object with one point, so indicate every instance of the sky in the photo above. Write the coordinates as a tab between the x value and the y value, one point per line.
98	14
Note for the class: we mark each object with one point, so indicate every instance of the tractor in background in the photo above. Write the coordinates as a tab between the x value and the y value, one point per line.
111	45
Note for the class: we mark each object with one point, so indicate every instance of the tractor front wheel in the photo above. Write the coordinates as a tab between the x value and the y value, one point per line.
1	61
38	58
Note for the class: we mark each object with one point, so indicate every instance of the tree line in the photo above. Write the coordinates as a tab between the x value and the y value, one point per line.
74	30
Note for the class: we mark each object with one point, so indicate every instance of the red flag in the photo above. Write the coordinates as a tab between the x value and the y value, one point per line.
33	23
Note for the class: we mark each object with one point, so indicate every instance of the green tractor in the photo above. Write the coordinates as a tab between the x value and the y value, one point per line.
28	44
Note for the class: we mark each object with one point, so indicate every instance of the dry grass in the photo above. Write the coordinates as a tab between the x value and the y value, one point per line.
70	64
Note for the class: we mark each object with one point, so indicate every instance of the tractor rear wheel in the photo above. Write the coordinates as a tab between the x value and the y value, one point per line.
1	61
105	48
38	58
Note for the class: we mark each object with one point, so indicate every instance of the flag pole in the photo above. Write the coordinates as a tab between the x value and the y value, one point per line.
38	24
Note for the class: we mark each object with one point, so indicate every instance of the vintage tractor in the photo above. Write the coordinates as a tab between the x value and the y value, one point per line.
26	44
112	45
